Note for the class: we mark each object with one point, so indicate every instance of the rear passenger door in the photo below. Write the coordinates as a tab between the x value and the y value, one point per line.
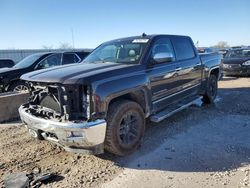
69	58
190	66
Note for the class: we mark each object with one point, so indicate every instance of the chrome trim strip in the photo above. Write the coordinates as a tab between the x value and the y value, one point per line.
164	98
158	119
70	135
68	125
215	67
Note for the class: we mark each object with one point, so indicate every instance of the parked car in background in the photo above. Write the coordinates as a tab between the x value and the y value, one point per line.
205	50
10	77
236	62
236	47
6	63
103	103
223	52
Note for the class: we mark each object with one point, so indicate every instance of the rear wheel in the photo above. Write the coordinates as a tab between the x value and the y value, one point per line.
211	90
19	87
125	129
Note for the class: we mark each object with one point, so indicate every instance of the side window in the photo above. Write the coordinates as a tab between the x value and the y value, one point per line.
183	48
69	58
163	47
50	61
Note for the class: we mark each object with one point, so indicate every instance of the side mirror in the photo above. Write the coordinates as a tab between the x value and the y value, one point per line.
163	57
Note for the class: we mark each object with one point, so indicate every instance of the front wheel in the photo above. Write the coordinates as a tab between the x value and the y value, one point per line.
125	127
19	87
211	90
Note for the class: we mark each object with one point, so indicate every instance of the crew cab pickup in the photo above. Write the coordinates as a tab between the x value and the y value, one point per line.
103	102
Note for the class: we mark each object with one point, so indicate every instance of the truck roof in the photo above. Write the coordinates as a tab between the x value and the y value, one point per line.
144	36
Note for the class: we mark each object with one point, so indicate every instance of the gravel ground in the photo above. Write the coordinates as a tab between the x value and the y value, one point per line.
202	146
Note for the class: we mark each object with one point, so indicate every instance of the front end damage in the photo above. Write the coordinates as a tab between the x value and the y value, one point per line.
62	114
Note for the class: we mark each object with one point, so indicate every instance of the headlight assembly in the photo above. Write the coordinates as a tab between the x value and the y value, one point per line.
246	63
225	65
86	102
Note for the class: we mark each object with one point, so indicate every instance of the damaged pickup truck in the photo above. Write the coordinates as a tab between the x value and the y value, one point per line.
103	102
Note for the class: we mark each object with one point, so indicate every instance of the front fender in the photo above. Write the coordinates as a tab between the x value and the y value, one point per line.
106	90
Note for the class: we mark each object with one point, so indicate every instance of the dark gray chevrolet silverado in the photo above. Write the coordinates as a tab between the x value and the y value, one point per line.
103	102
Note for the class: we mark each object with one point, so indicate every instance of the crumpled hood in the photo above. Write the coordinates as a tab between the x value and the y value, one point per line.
235	60
71	74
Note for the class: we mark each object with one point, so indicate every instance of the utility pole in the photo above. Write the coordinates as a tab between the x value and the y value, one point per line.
72	36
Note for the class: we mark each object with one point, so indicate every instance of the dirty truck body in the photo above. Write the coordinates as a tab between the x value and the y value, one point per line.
103	102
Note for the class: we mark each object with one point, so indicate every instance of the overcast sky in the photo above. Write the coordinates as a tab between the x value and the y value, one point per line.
29	24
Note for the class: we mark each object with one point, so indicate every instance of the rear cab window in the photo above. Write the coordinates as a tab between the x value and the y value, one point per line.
183	48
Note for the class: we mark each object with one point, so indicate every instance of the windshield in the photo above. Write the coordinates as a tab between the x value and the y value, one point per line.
238	53
126	51
28	61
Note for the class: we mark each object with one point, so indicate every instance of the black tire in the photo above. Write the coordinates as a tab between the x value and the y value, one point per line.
15	85
211	90
125	127
37	134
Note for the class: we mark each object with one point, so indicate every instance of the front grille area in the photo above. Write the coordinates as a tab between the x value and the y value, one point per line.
57	101
51	102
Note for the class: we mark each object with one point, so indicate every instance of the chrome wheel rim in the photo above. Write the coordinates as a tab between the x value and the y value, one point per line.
21	88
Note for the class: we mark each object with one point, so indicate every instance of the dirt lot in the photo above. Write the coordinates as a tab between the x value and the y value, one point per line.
198	147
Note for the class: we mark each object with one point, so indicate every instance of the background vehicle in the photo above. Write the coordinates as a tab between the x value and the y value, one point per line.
236	62
223	52
205	50
103	102
6	63
10	77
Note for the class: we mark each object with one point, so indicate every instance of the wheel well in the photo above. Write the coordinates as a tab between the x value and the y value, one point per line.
137	96
215	72
11	83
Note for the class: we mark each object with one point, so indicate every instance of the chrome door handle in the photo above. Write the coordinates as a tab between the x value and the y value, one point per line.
178	68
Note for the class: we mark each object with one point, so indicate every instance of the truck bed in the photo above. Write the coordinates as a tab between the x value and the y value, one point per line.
210	59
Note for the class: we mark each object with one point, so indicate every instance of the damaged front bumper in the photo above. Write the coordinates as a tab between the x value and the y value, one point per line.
83	137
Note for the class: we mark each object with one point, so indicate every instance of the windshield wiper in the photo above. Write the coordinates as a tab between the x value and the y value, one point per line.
99	61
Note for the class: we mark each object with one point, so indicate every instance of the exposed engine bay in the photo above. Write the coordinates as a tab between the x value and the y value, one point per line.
58	102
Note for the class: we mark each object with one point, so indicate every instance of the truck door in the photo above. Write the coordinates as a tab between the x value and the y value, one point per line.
163	75
190	66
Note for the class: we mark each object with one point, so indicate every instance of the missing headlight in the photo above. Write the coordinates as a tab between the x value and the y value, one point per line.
86	102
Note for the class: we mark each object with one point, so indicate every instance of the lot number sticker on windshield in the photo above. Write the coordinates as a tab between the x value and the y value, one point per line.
140	41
